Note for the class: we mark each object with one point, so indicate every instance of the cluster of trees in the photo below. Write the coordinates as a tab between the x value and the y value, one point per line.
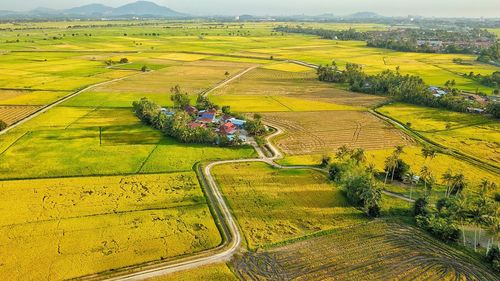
494	109
356	179
400	45
460	209
492	54
492	80
121	61
344	35
406	88
456	209
176	126
3	125
255	126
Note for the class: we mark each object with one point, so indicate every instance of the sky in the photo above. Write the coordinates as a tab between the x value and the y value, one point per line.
445	8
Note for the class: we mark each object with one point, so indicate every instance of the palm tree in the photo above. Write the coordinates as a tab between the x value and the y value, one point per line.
412	179
342	152
459	184
425	174
397	152
448	177
390	163
460	211
428	152
486	186
359	155
493	229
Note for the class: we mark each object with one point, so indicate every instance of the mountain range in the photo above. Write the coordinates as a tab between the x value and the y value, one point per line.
136	9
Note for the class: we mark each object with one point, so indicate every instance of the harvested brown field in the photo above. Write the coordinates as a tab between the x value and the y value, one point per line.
321	132
381	251
304	85
11	114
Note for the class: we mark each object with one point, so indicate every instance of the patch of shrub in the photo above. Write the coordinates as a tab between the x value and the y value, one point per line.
493	257
420	207
3	125
441	228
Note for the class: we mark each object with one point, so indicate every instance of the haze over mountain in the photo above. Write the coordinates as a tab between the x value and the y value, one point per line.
139	8
428	8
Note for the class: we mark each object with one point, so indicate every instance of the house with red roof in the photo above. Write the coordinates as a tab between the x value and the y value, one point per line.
228	129
194	125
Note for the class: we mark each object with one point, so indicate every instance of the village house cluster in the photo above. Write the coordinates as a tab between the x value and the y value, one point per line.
223	124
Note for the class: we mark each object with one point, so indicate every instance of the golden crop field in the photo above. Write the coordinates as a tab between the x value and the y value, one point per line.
22	97
66	141
216	272
475	135
10	114
273	205
380	251
64	228
193	77
268	83
324	132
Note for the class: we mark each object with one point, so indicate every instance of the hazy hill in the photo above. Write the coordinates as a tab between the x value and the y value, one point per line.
136	9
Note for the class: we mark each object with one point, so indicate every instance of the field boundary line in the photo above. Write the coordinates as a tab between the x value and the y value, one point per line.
442	148
44	109
227	81
14	142
147	159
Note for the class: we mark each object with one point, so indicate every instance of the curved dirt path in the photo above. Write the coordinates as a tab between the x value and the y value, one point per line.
224	252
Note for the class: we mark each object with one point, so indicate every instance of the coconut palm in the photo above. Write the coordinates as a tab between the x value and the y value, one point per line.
359	155
427	178
458	184
428	152
412	179
390	164
460	211
343	152
448	177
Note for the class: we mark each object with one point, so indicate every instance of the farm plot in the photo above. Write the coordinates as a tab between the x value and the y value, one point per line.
76	141
474	135
381	251
19	97
274	205
324	132
58	229
193	77
11	114
216	272
265	83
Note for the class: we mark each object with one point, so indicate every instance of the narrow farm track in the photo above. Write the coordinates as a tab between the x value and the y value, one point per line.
231	79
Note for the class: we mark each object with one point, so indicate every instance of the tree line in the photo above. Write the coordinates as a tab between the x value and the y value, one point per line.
405	88
405	40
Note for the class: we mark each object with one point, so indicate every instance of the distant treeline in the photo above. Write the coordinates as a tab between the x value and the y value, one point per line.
490	55
492	80
344	35
406	40
405	88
